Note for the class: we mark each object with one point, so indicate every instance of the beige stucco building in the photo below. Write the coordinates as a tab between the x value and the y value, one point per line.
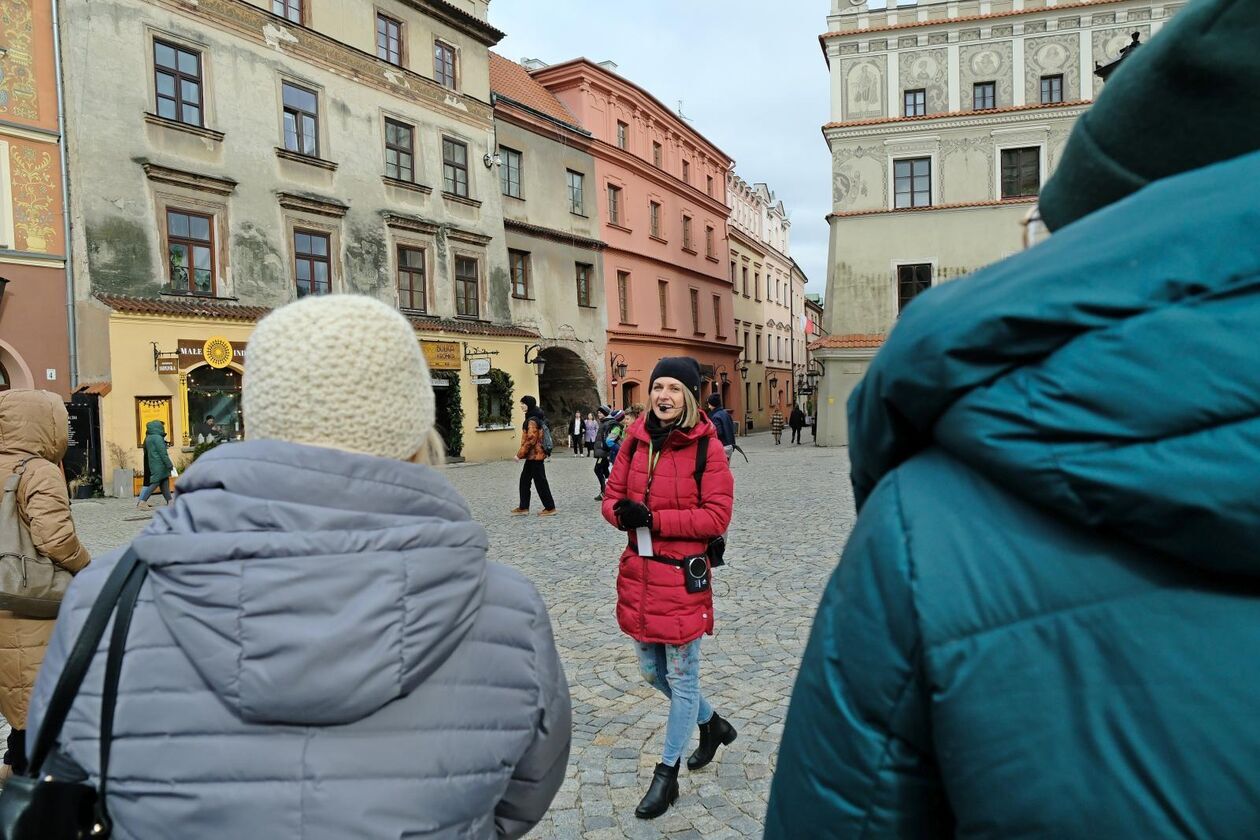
946	118
227	157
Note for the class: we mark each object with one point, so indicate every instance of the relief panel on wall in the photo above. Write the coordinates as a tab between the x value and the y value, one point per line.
927	69
863	88
1050	56
859	181
986	63
1109	42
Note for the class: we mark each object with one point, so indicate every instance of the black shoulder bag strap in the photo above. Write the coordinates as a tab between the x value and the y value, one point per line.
121	589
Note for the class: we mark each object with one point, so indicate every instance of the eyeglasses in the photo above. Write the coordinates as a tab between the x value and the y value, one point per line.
1035	229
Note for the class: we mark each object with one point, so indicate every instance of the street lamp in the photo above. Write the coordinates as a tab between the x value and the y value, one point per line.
617	362
539	363
722	374
743	370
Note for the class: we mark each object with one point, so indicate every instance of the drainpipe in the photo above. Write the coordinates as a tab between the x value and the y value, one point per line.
71	323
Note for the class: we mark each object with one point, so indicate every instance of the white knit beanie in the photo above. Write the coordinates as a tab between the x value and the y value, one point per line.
341	371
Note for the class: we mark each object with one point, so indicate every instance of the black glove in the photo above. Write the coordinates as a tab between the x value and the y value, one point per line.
631	515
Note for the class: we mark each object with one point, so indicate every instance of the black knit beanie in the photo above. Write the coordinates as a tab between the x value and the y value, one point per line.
683	368
715	400
1189	98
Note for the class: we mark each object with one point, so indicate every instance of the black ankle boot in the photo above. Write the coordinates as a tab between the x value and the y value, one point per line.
713	734
661	794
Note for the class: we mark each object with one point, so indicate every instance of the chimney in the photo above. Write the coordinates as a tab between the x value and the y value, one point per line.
610	66
532	64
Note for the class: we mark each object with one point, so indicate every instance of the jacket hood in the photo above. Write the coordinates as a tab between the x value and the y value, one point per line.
33	423
1110	374
155	427
312	585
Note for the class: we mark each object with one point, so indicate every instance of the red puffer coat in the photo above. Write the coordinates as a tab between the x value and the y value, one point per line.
653	604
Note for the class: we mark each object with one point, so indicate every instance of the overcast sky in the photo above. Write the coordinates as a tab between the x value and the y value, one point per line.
750	75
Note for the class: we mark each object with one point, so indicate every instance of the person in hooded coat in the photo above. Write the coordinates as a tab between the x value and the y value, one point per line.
157	463
533	454
321	648
1045	621
33	435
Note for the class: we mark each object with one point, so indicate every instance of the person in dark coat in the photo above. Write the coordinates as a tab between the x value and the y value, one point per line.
721	420
608	420
533	454
157	463
1045	620
796	421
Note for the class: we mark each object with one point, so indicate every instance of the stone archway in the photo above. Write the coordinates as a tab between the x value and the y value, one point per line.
566	386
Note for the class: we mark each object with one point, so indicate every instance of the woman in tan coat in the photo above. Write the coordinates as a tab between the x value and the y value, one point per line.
33	429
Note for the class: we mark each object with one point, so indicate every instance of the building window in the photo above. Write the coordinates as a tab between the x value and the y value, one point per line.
745	281
656	154
747	345
623	135
757	343
614	205
912	180
510	172
444	64
311	264
467	288
178	83
190	252
623	296
654	218
388	39
454	167
760	404
732	274
916	103
399	151
290	10
912	280
301	120
708	241
687	243
708	184
1021	172
576	186
983	96
518	265
583	284
717	317
695	312
686	171
411	286
662	297
1051	89
757	294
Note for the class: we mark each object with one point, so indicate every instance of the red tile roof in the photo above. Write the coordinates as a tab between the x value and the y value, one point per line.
952	114
512	81
451	325
99	389
1062	7
1032	199
853	340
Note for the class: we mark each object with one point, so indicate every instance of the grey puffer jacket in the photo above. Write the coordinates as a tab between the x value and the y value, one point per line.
321	650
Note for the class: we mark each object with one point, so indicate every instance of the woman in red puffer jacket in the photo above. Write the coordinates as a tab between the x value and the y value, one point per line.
653	495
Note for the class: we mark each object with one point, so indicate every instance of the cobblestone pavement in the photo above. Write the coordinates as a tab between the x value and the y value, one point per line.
793	512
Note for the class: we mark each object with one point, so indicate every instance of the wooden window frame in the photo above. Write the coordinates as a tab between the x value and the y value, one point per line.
583	276
461	284
409	150
287	6
190	243
686	171
695	311
654	219
614	205
981	93
687	243
312	259
299	125
708	242
383	51
411	272
1052	89
912	180
521	285
440	48
576	183
908	275
1015	172
623	298
623	135
506	169
451	169
658	154
179	77
662	299
914	102
718	331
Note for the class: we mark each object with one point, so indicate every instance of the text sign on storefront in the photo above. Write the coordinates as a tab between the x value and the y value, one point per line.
193	352
441	355
168	363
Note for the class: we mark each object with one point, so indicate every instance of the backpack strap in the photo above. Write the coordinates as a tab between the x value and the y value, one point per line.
702	461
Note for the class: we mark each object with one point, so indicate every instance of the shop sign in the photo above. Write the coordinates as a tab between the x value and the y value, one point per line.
484	381
168	363
479	367
216	351
441	355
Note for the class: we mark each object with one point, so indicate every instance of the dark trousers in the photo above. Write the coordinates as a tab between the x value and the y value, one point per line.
536	472
796	436
576	442
15	752
601	472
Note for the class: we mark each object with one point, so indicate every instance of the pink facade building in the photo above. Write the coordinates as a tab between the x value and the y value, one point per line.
659	193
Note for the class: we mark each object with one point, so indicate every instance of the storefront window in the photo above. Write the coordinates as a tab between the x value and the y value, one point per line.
214	405
494	401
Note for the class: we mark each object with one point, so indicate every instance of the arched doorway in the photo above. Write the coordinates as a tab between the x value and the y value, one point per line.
565	387
629	394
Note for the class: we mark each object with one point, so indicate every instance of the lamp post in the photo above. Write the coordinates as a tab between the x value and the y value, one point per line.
617	363
743	375
539	363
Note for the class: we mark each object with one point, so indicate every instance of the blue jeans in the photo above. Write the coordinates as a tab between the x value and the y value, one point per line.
161	485
674	670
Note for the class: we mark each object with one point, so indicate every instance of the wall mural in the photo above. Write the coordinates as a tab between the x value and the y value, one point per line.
1108	42
967	154
34	194
986	63
855	174
927	69
863	88
1049	56
18	97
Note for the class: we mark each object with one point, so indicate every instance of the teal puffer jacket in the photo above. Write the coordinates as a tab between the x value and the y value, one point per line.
157	459
1047	620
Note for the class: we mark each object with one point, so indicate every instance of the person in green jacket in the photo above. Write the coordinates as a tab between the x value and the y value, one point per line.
1046	622
157	462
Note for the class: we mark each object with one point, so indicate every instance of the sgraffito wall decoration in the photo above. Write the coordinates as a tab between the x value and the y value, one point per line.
34	198
18	96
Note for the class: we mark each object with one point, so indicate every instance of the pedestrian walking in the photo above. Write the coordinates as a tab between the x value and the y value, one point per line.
721	420
776	425
608	421
796	420
321	648
1044	621
671	491
590	430
157	463
533	453
33	434
577	433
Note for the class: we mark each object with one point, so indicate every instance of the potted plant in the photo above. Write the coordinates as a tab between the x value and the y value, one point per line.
124	478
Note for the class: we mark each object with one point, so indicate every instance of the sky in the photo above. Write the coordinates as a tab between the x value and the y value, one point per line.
750	74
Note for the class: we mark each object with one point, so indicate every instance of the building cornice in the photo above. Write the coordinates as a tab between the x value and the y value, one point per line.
971	117
746	240
962	205
837	34
954	119
682	270
553	235
621	157
458	19
681	341
531	119
265	29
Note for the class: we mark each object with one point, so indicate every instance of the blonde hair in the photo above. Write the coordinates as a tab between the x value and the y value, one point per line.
432	453
691	411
